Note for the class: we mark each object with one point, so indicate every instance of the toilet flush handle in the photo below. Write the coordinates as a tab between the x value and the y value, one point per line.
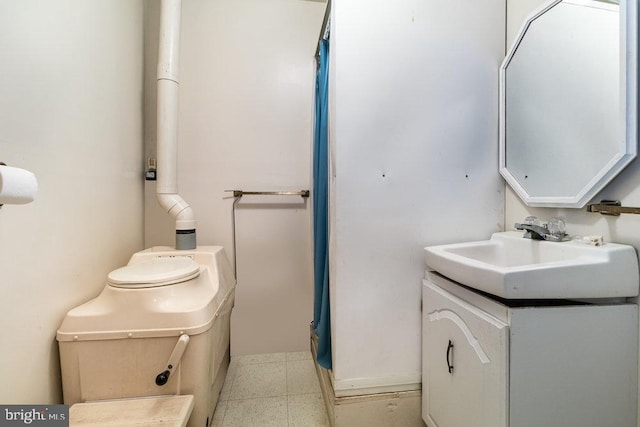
174	360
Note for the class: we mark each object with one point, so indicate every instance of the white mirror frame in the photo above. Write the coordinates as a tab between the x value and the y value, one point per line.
628	49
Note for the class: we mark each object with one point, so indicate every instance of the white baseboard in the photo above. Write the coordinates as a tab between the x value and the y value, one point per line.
365	386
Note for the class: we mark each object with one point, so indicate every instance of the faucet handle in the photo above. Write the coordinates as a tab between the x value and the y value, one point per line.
556	226
531	220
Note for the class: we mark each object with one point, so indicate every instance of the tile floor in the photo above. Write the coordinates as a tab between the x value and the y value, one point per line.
278	389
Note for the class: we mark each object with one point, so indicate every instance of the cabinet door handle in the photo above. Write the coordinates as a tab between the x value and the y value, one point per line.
450	354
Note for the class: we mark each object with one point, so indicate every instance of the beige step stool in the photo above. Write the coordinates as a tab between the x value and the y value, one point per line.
165	411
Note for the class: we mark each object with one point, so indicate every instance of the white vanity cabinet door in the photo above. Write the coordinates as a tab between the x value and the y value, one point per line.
464	363
573	366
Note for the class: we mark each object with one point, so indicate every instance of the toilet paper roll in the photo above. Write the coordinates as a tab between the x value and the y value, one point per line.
17	186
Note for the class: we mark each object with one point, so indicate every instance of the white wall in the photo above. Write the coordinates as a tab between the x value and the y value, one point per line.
246	104
414	137
70	111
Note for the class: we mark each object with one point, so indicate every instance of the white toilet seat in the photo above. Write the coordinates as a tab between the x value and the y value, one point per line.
171	411
161	271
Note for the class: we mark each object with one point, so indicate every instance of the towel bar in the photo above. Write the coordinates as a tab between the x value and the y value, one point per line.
612	208
240	193
237	194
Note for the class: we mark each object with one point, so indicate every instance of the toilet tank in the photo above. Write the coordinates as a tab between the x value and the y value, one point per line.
114	346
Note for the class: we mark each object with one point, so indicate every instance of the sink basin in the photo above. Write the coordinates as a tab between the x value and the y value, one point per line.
512	267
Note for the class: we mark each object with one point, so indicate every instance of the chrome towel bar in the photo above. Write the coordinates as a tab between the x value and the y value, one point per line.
612	207
240	193
237	195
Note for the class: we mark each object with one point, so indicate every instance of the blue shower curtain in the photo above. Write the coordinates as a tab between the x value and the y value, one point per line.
321	318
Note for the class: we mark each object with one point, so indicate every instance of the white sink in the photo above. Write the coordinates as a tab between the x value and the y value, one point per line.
510	266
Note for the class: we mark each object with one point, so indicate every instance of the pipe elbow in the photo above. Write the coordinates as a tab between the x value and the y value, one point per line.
179	209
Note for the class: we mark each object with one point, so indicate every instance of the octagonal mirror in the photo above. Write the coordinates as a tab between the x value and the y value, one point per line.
568	101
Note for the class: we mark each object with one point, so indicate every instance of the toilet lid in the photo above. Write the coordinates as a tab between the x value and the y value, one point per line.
160	271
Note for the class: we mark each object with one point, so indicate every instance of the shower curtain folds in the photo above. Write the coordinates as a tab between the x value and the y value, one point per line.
321	315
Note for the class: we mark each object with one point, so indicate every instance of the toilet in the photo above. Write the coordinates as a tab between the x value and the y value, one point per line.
154	345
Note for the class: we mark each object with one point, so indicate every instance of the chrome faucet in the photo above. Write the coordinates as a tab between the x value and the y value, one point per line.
553	231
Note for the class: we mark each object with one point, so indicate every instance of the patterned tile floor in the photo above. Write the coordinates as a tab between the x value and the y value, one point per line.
277	389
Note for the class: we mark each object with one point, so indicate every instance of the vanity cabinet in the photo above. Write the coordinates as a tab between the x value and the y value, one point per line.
490	362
